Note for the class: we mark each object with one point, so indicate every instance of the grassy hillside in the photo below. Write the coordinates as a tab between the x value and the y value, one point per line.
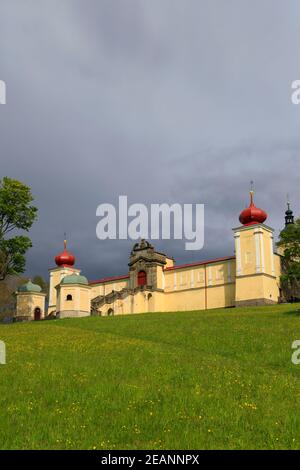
215	379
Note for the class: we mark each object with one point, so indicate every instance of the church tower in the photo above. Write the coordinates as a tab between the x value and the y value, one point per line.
257	267
64	267
289	216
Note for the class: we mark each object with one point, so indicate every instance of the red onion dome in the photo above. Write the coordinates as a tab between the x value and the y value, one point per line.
65	258
252	215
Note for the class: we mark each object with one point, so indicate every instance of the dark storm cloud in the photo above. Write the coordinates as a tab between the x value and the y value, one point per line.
164	101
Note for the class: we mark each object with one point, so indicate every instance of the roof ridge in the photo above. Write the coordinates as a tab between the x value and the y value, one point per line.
112	278
199	263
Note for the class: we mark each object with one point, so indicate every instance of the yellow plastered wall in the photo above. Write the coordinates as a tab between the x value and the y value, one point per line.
27	302
56	275
210	274
169	262
81	298
277	260
199	287
217	296
104	288
254	250
160	278
141	302
257	267
271	289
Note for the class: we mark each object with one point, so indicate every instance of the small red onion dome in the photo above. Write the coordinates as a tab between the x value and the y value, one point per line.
65	258
252	215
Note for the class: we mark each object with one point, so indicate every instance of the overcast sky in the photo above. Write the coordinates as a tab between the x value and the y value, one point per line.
160	100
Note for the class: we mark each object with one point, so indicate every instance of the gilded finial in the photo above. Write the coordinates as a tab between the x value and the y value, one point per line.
65	241
251	191
288	202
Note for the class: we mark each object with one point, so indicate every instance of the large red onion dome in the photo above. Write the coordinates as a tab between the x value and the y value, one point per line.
65	258
252	215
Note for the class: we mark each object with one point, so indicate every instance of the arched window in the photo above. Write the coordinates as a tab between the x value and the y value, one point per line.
150	303
142	278
110	312
69	297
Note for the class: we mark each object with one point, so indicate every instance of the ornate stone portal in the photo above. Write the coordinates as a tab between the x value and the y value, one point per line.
144	258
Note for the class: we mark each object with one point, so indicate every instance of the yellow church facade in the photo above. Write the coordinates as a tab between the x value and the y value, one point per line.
154	283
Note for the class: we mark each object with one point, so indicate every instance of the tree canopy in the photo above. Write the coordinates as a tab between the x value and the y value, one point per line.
16	213
289	241
40	281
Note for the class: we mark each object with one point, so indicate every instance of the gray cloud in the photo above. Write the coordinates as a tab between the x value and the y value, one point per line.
160	100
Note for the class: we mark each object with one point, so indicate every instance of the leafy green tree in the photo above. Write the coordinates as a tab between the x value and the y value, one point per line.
289	241
40	281
7	299
16	213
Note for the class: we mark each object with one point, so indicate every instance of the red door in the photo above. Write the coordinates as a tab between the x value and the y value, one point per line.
37	313
142	278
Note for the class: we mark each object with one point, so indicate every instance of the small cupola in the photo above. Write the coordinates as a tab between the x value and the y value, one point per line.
74	279
30	287
289	216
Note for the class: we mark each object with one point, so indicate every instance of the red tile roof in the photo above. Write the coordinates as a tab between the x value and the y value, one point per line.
108	279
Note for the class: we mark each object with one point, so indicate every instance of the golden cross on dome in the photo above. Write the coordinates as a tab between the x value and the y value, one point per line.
65	241
251	191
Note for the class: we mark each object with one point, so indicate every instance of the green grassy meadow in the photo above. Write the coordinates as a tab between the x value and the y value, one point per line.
219	379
